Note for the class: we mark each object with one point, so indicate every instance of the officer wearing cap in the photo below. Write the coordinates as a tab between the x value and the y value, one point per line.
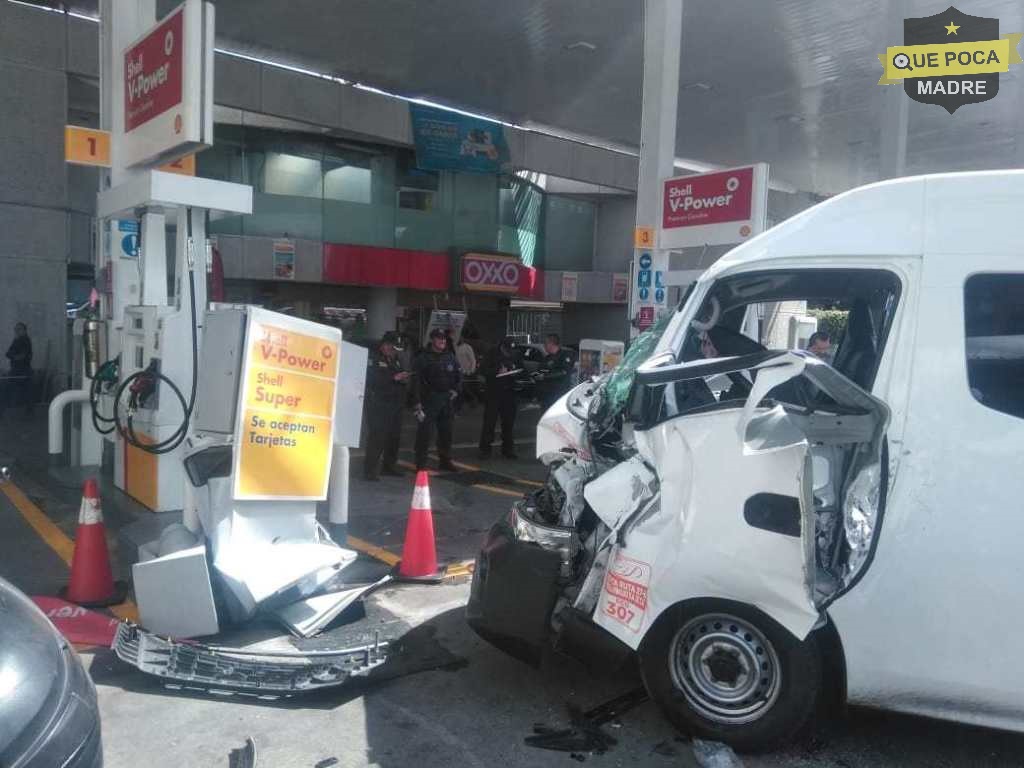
386	386
500	397
438	379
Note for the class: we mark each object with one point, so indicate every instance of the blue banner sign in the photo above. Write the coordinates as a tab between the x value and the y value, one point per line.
448	141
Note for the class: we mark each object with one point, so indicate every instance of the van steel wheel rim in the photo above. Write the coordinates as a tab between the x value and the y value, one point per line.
726	668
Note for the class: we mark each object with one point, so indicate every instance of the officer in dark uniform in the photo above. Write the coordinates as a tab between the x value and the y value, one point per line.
500	397
555	371
438	379
386	386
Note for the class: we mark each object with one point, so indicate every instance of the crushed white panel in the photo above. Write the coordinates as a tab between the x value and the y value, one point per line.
571	477
621	490
257	570
174	594
309	617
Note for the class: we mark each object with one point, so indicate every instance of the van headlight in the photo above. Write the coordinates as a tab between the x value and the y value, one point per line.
860	514
546	536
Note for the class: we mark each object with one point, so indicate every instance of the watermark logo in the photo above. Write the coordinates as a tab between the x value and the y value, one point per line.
950	59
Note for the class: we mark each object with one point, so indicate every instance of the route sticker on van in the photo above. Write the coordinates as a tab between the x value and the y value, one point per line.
624	597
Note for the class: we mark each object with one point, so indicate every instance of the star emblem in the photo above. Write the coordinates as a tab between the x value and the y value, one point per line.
951	28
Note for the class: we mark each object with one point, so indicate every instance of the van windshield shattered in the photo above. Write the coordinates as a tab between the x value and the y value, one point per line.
614	391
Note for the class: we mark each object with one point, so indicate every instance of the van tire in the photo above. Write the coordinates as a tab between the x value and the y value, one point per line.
721	640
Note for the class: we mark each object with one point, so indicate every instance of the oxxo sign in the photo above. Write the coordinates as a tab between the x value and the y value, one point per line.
489	273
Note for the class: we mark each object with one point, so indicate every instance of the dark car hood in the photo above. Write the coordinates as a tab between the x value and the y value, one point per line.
33	667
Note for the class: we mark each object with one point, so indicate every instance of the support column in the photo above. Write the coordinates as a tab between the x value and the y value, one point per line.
895	106
381	305
663	28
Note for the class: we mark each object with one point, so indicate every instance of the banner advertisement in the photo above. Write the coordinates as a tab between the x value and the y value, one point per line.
284	259
570	286
448	141
620	287
286	409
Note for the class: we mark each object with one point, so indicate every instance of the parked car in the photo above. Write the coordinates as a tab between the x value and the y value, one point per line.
764	529
48	711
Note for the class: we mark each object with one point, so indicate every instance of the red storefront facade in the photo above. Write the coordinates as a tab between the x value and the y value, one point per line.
376	267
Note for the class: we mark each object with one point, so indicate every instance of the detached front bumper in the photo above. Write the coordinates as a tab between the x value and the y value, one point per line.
265	672
519	573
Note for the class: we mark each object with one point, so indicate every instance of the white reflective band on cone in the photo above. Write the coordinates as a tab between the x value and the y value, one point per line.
90	512
421	497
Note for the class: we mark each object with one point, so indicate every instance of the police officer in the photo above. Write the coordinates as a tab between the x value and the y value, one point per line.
386	385
500	397
555	370
438	380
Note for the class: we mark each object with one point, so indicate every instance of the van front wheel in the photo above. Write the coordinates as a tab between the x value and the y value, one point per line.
725	671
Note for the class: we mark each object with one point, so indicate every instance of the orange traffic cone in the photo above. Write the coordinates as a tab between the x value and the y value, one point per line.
419	555
92	584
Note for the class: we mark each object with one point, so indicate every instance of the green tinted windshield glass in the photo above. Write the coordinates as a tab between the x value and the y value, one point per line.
616	388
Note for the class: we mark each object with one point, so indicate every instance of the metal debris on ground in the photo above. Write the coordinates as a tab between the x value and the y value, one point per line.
219	667
327	762
309	617
585	733
714	754
244	756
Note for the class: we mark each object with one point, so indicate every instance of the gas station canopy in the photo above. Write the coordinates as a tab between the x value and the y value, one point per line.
791	83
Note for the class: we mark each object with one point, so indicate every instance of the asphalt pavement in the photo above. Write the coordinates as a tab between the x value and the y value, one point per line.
446	697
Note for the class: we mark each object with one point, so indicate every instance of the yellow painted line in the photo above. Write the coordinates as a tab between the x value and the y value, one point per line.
496	489
372	550
54	537
57	540
455	570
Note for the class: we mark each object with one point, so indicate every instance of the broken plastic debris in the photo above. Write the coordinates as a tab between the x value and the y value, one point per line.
585	735
244	756
309	617
715	754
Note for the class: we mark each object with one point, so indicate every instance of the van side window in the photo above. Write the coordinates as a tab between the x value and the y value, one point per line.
994	329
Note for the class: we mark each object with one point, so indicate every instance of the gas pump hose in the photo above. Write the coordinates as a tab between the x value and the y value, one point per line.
98	419
142	383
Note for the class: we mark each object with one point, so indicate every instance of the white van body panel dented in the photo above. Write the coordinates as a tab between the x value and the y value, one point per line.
698	544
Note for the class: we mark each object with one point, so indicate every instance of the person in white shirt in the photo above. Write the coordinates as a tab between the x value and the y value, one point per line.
466	357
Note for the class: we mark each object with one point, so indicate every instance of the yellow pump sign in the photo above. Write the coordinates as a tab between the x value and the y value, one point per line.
285	425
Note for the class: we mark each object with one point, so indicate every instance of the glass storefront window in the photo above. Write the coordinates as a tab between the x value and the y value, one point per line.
569	227
293	175
344	192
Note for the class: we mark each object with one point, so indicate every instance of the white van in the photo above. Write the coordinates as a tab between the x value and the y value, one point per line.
763	528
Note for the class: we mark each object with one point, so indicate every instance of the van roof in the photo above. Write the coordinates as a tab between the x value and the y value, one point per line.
974	213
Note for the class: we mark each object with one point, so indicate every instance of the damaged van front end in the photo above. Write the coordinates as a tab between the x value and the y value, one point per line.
755	482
